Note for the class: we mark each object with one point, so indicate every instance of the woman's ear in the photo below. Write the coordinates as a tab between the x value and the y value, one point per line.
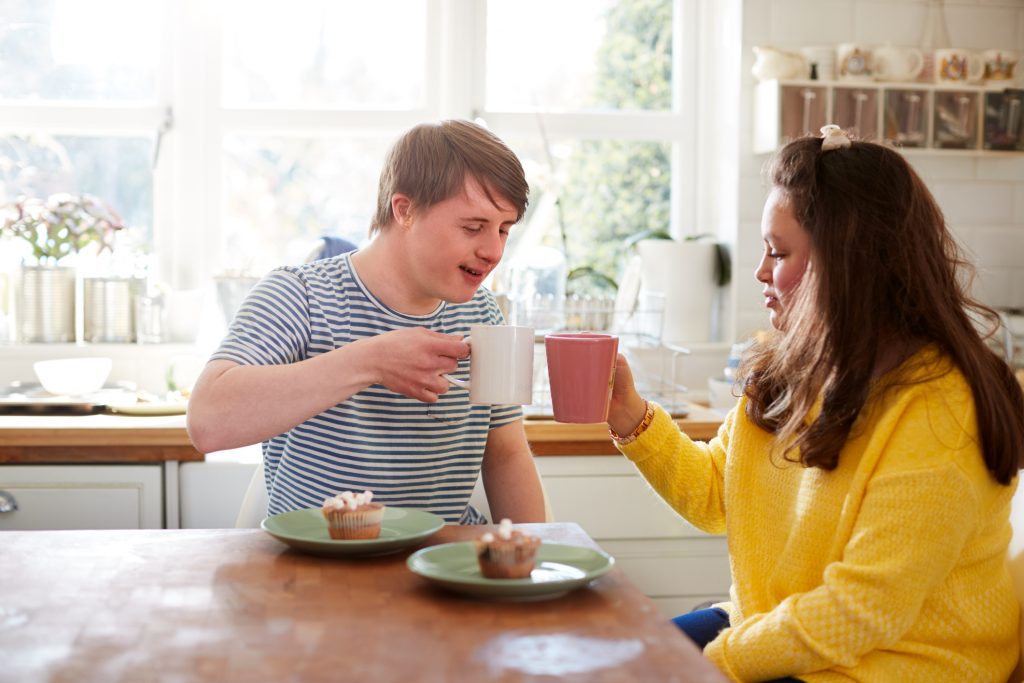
401	209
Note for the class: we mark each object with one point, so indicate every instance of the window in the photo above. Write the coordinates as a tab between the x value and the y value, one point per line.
233	134
78	96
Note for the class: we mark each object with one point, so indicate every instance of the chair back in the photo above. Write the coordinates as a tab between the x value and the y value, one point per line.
255	502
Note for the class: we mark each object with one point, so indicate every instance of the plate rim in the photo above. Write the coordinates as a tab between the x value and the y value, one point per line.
504	588
354	546
147	409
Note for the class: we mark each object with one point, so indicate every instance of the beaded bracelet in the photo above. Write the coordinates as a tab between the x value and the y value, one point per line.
640	428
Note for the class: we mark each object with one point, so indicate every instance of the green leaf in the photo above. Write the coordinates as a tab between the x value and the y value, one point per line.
646	235
591	273
723	265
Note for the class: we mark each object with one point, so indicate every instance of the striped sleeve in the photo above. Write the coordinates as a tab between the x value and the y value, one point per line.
272	326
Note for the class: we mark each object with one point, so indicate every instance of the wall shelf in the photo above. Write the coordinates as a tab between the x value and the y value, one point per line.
948	119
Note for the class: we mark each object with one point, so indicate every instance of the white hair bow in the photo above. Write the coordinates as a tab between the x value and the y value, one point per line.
834	138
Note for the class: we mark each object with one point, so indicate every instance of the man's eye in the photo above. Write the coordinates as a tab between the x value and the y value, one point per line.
472	228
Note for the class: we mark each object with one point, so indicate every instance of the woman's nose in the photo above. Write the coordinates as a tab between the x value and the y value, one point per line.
763	272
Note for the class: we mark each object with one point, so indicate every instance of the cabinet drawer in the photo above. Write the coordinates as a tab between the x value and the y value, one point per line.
592	491
83	497
672	568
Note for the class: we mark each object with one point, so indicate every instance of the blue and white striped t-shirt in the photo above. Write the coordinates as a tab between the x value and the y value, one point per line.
409	453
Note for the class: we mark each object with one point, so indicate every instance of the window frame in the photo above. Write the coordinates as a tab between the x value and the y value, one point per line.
188	177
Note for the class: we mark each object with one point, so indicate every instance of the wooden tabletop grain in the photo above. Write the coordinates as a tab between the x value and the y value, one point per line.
238	605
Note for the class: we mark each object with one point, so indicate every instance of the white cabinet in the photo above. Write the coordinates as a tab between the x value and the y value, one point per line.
82	496
958	119
672	562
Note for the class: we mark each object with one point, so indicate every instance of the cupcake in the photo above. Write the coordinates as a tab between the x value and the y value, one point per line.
352	516
509	554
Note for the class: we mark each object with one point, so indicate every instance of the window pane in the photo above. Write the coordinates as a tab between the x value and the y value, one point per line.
79	50
320	53
116	170
598	193
283	194
600	55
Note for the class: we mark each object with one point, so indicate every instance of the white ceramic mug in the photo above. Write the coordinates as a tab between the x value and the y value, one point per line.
897	63
500	365
955	65
853	62
1000	64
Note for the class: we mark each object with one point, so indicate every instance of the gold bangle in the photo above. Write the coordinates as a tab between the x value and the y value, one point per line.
640	428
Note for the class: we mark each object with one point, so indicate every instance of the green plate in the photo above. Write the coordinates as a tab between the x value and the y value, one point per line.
307	530
560	569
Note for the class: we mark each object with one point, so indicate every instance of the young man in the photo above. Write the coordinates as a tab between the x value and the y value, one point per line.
337	366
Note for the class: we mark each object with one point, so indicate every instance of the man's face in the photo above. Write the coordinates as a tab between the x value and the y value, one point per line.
455	244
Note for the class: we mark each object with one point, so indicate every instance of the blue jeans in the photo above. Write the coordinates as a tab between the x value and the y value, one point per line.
703	625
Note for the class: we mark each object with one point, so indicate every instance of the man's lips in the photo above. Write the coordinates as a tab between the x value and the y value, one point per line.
474	272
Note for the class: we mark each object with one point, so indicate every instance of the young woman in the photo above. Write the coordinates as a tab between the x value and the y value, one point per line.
864	479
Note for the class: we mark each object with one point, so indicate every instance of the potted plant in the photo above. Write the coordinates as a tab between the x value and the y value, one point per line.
54	229
688	272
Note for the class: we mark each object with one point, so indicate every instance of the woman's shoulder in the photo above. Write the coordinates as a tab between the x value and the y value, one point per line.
929	409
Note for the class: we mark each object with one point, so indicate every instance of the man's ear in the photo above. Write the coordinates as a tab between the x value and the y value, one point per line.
401	209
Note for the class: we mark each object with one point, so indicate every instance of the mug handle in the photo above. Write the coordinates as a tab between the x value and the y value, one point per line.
975	67
459	382
916	63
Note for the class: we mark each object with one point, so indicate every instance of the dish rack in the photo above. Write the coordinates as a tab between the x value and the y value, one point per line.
639	329
638	325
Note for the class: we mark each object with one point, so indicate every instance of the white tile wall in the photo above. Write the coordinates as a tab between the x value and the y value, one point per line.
983	198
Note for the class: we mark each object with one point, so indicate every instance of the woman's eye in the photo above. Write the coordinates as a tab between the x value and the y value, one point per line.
775	255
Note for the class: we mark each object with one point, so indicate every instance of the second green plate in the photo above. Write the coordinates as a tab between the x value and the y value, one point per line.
560	569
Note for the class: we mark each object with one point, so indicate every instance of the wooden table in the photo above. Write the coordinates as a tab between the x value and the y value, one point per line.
238	605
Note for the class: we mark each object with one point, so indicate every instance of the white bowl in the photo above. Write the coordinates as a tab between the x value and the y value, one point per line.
72	376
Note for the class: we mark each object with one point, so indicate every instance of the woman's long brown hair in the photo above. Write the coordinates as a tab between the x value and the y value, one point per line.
884	269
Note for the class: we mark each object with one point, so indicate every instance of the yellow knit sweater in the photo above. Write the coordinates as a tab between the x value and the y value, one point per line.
892	567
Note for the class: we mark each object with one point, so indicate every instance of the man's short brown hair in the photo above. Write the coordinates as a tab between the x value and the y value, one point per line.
431	162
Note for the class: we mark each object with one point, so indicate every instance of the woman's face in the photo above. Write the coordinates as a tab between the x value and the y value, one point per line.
787	249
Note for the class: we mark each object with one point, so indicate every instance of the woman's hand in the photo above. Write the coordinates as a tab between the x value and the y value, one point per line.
627	407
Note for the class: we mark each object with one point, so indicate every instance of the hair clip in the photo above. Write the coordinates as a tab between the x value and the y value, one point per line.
833	137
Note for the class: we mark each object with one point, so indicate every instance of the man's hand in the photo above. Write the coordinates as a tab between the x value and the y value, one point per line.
411	362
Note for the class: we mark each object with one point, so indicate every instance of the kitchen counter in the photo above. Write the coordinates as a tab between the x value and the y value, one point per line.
117	438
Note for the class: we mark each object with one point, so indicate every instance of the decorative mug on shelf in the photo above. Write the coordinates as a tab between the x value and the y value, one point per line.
853	62
897	63
999	64
958	66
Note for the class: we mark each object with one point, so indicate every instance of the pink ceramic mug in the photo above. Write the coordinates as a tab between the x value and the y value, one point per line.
581	370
